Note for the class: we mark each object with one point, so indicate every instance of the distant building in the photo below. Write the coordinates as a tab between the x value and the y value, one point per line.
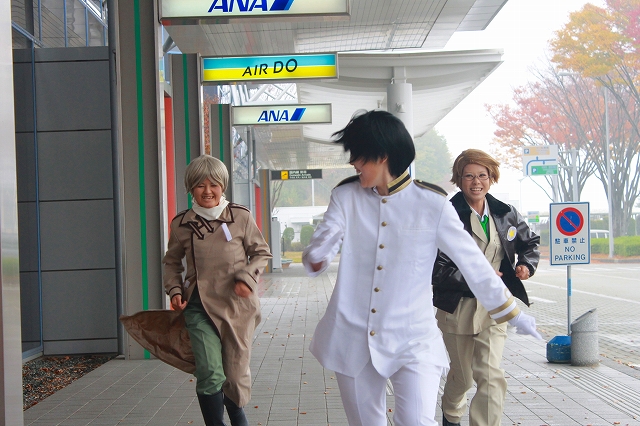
297	217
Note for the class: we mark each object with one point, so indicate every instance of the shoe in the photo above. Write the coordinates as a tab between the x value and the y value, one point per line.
212	407
236	414
446	422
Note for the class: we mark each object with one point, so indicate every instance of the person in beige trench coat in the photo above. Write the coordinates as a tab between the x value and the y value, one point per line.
225	254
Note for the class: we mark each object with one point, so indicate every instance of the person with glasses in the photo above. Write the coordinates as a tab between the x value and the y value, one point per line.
474	340
379	324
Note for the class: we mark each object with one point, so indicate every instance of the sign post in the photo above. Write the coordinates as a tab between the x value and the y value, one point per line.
569	240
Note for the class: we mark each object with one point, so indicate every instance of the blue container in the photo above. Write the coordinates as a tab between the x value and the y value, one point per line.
559	349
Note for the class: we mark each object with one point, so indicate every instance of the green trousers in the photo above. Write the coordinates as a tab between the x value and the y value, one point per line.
206	346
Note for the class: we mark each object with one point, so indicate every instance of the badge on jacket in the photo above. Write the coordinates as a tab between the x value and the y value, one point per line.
511	233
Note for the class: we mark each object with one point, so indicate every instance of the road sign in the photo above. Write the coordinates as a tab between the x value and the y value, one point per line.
269	68
570	242
540	160
296	174
533	217
281	114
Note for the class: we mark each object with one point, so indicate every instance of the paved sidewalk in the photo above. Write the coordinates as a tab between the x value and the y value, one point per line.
291	388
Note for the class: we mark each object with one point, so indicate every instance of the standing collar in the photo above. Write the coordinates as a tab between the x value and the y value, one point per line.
399	183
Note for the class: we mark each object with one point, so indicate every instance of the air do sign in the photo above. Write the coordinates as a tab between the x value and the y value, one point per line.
269	68
569	238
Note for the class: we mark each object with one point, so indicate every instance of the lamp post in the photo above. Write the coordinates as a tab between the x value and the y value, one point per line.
608	159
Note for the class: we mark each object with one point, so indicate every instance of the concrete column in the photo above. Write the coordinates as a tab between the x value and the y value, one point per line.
10	335
140	114
221	141
400	98
400	101
188	144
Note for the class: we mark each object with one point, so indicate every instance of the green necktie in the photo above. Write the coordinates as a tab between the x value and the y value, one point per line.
485	225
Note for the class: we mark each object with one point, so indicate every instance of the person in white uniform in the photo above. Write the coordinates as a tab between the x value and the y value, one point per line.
380	321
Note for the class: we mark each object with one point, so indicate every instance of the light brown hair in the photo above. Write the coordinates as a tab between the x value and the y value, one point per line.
474	156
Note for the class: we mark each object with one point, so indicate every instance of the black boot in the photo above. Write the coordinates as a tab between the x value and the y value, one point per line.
212	408
446	422
236	414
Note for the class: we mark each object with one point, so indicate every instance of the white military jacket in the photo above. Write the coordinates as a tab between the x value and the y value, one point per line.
381	306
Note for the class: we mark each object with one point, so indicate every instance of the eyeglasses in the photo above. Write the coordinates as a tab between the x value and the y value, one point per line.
470	177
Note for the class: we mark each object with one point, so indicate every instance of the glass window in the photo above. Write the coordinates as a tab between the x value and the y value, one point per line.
76	23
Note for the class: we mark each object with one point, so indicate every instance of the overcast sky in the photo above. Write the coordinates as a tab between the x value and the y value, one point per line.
523	29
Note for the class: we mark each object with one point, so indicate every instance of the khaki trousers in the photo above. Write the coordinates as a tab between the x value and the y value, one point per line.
476	358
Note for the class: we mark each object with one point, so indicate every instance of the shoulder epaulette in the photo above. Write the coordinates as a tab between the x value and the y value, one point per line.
430	186
180	214
348	180
239	206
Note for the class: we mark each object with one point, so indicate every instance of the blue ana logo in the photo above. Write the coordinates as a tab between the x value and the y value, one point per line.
227	6
270	116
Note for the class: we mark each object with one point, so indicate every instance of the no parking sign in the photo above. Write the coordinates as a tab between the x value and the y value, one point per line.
569	238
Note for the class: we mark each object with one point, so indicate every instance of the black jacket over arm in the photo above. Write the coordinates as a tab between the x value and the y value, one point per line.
449	285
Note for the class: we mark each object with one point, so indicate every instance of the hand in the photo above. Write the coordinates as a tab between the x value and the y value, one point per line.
177	303
315	266
522	272
498	273
242	289
525	324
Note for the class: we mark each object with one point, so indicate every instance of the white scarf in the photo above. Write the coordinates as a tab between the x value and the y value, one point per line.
210	213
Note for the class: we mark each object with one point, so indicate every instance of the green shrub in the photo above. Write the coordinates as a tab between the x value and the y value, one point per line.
287	236
305	235
297	246
622	246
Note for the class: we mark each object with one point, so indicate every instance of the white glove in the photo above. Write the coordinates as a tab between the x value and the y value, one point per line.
525	324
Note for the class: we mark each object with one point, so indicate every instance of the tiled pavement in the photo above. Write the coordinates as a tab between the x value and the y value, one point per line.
291	388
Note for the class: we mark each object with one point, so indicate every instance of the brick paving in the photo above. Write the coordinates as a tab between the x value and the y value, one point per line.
291	388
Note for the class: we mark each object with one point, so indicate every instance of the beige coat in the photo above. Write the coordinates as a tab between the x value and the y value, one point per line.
215	260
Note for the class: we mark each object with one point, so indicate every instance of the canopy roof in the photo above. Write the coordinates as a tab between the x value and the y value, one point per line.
378	41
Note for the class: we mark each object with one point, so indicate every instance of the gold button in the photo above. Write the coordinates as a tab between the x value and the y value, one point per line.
381	246
384	201
384	223
373	333
376	289
373	310
379	267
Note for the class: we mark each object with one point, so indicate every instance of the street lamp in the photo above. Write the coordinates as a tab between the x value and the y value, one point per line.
608	158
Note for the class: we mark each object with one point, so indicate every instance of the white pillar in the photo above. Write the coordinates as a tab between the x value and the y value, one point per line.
400	101
10	326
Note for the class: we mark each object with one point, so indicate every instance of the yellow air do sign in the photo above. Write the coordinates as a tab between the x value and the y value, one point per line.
261	68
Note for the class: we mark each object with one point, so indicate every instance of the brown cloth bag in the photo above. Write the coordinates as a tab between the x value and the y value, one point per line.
164	334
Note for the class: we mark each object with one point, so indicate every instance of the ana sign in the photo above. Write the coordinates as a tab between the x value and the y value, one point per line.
198	10
281	114
253	68
569	237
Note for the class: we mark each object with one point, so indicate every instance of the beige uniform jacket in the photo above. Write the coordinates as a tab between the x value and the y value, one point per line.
218	253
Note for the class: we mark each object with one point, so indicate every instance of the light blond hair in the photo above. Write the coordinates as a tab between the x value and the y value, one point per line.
474	156
205	167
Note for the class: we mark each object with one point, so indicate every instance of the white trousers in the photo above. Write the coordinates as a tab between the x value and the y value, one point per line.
415	388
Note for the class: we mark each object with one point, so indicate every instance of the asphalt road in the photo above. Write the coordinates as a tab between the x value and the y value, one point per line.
613	289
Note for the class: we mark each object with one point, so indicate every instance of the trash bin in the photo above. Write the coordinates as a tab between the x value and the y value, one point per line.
559	350
584	339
